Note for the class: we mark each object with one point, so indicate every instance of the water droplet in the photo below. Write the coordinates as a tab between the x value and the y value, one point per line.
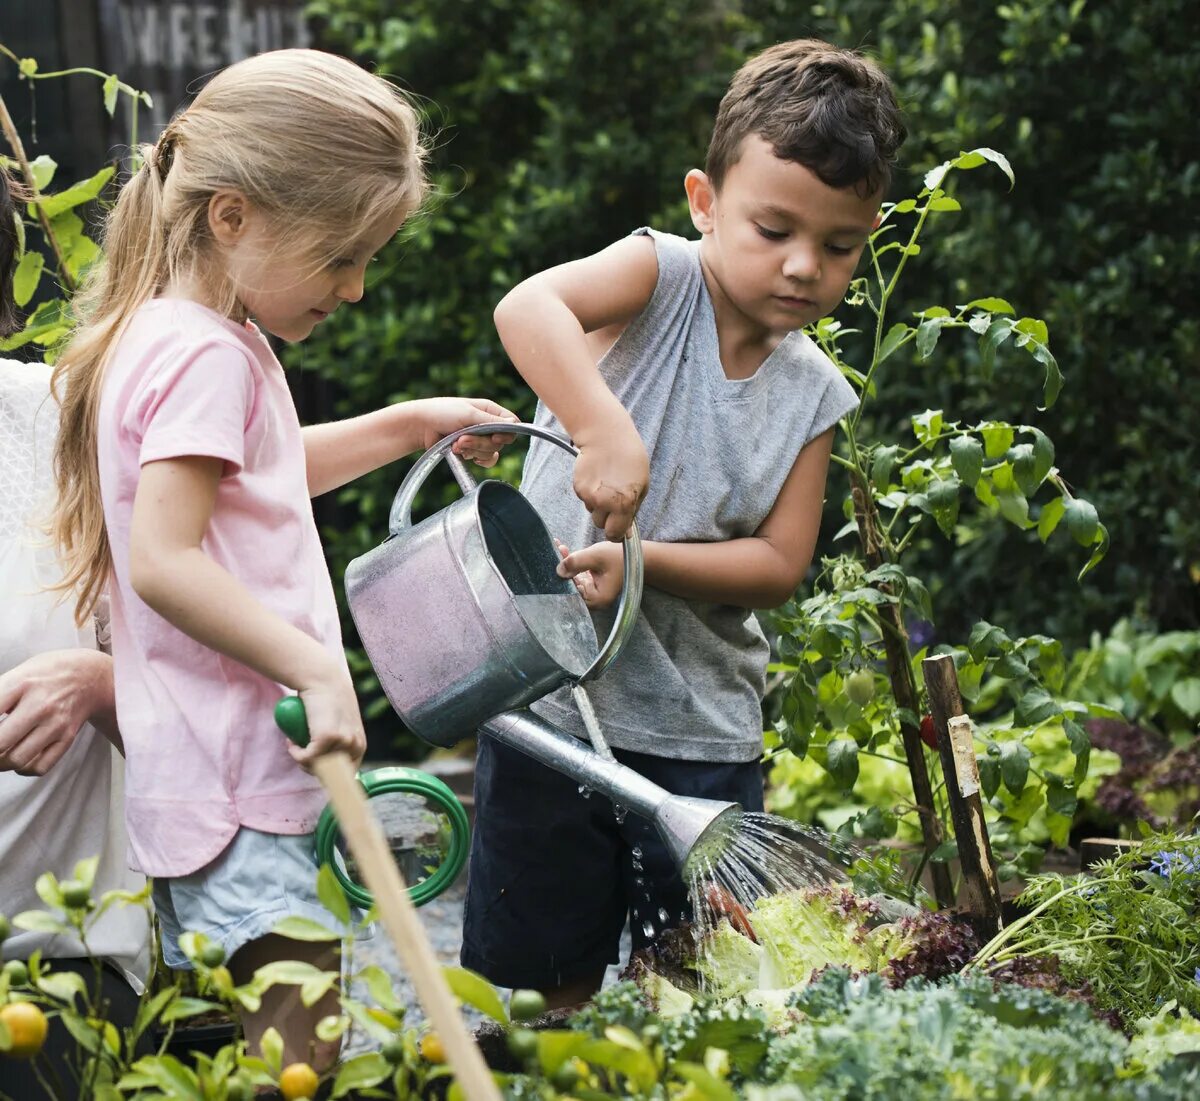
648	928
663	916
585	791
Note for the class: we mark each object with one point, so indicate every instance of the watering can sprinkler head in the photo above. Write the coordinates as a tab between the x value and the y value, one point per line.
691	828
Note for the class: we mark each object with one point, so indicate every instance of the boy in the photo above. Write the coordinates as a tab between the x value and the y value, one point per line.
693	351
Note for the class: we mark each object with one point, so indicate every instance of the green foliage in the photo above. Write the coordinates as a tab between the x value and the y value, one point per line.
1130	930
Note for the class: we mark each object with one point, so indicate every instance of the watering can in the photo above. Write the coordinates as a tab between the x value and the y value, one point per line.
466	621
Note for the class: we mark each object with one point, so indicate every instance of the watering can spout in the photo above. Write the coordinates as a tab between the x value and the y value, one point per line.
689	827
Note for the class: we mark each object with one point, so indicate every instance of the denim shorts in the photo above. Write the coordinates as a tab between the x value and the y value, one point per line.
260	879
553	875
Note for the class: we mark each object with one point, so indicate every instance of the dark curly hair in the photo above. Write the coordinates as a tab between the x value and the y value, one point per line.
12	194
829	109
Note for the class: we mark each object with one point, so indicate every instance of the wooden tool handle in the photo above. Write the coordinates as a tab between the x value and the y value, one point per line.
370	849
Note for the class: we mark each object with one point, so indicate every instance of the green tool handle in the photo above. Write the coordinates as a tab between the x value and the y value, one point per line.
291	719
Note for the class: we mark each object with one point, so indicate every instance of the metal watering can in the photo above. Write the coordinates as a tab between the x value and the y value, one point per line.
466	621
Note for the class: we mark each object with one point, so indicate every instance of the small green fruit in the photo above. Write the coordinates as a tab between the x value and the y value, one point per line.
523	1043
566	1076
17	972
76	896
393	1051
524	1005
238	1089
212	955
860	687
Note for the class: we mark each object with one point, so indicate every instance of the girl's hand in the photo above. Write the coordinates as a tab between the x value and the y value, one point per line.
47	699
611	475
334	722
598	572
441	416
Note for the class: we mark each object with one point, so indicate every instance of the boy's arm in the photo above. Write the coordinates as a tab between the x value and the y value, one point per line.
341	451
543	324
761	571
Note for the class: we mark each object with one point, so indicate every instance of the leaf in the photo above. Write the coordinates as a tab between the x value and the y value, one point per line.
966	456
76	195
1014	765
1097	555
927	335
271	1046
1185	694
302	928
997	438
476	991
360	1072
976	157
943	502
1082	521
1043	455
43	169
895	336
38	921
1061	797
27	276
905	206
944	203
989	774
556	1047
332	897
48	889
1051	513
110	93
992	305
1035	706
985	640
316	988
881	466
85	870
927	425
172	1077
187	1007
841	761
63	986
704	1083
1081	745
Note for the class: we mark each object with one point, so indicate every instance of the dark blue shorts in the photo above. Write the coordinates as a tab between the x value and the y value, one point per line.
553	876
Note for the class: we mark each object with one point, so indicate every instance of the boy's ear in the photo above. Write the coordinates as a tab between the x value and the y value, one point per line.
228	212
701	197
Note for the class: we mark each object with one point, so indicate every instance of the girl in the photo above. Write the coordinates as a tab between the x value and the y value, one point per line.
184	479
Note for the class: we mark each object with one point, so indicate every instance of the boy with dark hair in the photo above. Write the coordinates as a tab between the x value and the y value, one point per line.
690	351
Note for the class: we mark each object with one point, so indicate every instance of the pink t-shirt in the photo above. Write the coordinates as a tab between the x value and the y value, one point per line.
203	753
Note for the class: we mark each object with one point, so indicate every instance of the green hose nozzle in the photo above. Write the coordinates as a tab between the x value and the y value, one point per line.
291	719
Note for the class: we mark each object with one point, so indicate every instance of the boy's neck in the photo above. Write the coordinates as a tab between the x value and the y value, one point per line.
743	343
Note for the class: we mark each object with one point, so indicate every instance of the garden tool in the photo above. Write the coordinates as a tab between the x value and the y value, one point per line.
396	910
466	621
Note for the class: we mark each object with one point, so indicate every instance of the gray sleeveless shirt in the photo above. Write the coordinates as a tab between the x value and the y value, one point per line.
690	682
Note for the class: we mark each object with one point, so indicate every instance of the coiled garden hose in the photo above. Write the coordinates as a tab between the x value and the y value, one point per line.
393	780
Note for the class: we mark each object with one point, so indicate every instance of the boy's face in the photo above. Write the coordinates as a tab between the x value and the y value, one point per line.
781	244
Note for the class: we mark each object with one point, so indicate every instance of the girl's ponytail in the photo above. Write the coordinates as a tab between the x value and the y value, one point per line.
132	272
318	145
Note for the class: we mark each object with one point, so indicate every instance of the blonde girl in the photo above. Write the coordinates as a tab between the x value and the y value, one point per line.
184	480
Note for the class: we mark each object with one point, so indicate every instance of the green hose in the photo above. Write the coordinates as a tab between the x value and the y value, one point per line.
289	715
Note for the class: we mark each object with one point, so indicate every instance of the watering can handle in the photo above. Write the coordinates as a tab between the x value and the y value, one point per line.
400	518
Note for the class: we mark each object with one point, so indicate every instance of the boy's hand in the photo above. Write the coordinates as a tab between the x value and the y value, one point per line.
334	722
611	476
441	416
598	572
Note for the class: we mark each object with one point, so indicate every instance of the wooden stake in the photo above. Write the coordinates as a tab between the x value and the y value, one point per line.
956	748
367	843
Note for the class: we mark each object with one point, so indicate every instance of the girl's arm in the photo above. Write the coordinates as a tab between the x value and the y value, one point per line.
339	452
762	571
543	324
173	575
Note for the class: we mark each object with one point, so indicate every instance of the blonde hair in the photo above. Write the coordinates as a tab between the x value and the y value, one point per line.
316	143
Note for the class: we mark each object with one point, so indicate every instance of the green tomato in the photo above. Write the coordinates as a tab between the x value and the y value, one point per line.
523	1043
76	896
524	1005
17	972
860	687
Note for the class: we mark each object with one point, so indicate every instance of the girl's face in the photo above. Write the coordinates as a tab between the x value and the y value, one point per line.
288	295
